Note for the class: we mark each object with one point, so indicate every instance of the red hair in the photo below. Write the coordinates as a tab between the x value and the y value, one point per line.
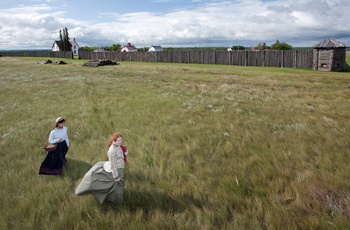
113	138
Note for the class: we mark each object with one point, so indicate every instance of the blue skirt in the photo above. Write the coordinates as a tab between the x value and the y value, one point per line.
54	161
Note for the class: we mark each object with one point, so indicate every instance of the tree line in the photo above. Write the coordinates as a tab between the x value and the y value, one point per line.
261	46
65	45
276	46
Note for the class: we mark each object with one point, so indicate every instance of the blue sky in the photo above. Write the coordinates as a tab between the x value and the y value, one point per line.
34	24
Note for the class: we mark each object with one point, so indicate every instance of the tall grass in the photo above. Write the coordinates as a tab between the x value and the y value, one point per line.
210	146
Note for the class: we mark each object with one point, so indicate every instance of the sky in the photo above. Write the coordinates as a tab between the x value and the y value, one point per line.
35	24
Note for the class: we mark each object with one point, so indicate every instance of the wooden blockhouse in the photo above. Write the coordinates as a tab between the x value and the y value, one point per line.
329	55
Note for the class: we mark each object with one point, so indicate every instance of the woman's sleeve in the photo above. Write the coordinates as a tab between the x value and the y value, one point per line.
67	139
52	139
125	154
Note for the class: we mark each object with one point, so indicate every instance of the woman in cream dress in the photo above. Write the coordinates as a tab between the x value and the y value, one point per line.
105	180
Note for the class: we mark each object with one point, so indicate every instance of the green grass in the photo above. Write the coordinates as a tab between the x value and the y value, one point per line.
210	146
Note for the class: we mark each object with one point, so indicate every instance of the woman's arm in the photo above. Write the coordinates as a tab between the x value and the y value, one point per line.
125	152
66	136
52	139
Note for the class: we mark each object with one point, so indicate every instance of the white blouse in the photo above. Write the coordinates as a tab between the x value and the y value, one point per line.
56	134
115	160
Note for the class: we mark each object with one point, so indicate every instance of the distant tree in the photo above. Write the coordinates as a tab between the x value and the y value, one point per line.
145	48
262	46
281	46
64	43
87	48
60	44
68	45
237	48
114	47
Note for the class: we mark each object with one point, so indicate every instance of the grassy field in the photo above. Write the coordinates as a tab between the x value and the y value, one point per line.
210	146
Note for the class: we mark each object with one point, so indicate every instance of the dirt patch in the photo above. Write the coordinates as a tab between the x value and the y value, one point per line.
333	201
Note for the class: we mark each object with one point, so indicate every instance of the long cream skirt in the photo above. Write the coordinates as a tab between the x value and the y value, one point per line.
101	184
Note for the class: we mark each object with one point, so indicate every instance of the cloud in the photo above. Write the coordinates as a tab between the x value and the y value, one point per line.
28	27
229	22
215	23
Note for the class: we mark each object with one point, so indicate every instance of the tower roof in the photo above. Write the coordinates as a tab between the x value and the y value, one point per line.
330	43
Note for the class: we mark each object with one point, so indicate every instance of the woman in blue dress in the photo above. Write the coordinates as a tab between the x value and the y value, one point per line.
54	160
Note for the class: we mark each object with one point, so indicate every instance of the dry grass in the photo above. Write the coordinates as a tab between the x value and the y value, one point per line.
211	147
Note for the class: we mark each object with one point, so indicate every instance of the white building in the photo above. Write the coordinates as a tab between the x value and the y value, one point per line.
129	48
55	46
101	49
75	47
155	49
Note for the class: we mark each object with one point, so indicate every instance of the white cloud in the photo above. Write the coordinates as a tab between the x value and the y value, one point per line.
220	23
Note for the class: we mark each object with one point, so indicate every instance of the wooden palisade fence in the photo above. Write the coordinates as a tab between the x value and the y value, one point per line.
48	54
290	58
274	58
